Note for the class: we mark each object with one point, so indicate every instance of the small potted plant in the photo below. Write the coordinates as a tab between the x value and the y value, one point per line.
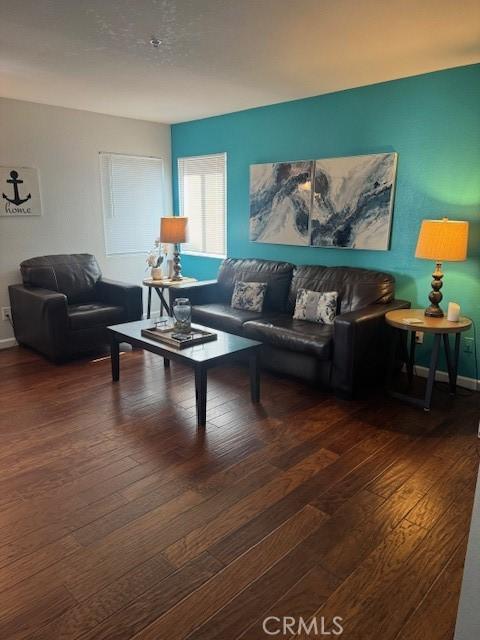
154	261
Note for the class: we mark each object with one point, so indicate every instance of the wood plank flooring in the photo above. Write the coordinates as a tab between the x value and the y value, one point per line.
119	519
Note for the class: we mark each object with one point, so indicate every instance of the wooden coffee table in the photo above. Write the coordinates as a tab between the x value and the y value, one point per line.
200	357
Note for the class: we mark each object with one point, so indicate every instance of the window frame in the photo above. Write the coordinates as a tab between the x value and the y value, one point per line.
205	254
103	189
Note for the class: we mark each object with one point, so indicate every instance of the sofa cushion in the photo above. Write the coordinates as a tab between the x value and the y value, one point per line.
283	331
356	288
222	317
277	275
87	316
314	306
73	275
249	296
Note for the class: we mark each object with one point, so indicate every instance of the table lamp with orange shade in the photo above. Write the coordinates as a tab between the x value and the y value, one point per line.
441	240
173	230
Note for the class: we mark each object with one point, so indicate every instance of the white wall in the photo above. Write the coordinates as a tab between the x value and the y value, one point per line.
64	144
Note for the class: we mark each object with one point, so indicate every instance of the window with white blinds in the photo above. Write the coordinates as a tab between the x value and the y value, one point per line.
202	198
133	201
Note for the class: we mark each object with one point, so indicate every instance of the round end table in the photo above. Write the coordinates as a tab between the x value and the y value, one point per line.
413	320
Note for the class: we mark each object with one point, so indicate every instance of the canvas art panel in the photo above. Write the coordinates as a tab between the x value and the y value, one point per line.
20	193
335	202
280	202
353	202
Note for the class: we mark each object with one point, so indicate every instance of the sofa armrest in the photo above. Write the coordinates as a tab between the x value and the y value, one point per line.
40	318
204	292
360	346
121	294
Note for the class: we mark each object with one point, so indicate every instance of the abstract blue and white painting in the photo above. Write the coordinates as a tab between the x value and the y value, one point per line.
353	202
281	202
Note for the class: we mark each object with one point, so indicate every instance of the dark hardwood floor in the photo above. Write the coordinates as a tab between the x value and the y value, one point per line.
118	519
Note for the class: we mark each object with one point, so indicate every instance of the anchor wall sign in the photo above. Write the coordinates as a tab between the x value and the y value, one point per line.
20	192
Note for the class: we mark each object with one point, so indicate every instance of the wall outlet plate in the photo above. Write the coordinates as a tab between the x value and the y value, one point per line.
468	344
6	313
419	337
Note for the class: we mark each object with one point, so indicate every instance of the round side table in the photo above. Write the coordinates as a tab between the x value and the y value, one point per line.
441	328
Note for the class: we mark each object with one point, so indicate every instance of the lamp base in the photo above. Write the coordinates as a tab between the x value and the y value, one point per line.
434	311
435	296
177	265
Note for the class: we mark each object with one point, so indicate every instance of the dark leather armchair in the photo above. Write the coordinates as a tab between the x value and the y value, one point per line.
344	356
64	305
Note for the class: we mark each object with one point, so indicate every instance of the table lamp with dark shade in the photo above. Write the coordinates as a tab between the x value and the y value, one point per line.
173	230
441	240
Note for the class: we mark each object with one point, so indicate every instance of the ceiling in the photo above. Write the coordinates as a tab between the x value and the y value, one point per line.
219	56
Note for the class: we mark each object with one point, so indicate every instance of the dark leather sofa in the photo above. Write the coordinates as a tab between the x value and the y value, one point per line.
343	357
64	305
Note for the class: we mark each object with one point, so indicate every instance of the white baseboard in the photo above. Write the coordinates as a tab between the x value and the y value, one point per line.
442	376
6	343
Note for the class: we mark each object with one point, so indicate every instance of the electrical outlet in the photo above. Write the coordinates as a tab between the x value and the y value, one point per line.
468	345
6	313
419	337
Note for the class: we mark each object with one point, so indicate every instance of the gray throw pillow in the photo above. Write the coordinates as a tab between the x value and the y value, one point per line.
314	306
249	296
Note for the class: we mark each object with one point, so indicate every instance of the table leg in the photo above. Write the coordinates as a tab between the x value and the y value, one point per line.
149	303
411	356
160	294
201	394
456	355
392	352
163	302
115	358
431	374
450	367
254	375
166	304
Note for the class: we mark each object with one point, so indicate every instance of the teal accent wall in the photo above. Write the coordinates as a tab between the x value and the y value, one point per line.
432	121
